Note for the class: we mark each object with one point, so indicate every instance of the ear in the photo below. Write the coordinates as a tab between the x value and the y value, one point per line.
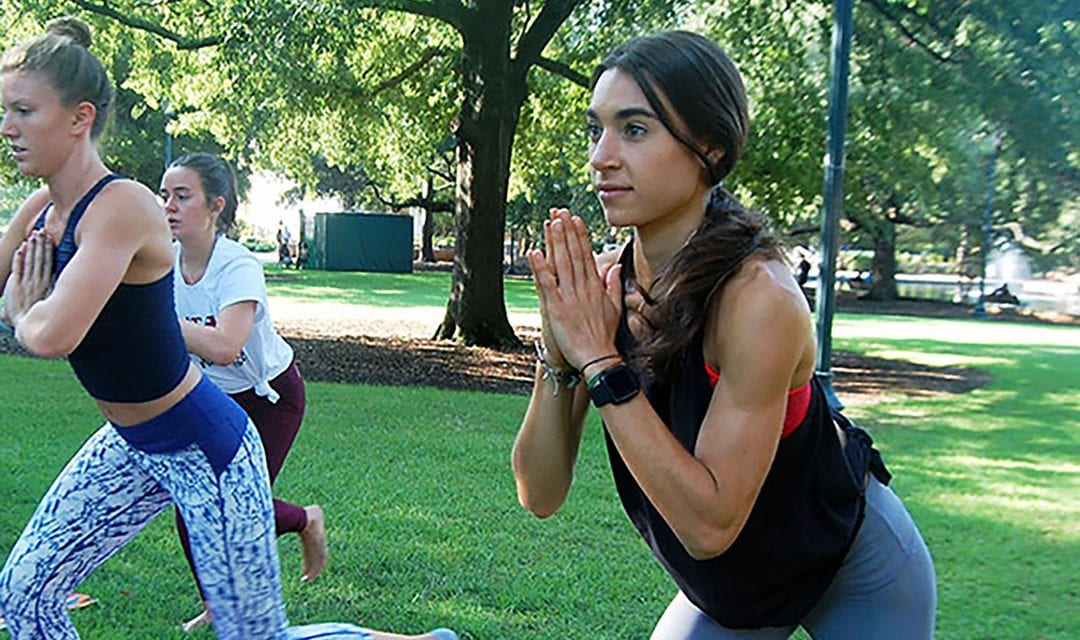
83	117
219	205
715	156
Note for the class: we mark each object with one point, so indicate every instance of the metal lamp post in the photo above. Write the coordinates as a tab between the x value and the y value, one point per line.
843	11
984	250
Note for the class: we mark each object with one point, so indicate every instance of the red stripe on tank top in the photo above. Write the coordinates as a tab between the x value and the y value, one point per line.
798	403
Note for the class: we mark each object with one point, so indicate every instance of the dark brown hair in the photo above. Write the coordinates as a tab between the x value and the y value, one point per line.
706	95
218	180
62	57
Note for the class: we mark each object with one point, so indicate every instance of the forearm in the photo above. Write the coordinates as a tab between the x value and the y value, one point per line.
704	513
37	330
546	447
211	343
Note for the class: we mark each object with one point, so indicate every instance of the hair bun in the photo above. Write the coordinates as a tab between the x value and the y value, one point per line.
71	27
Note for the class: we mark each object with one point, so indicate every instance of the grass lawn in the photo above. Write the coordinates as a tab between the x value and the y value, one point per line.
385	290
425	529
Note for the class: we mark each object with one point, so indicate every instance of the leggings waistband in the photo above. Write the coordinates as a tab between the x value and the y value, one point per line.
205	416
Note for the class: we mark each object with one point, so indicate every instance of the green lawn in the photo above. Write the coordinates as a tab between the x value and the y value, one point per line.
388	290
425	529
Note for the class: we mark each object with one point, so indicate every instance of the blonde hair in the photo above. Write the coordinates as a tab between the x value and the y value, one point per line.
62	57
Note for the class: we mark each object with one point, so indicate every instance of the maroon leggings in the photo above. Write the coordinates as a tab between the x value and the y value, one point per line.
277	425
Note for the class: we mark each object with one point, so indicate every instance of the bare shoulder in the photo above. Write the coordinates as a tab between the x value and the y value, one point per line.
128	203
762	306
131	196
765	281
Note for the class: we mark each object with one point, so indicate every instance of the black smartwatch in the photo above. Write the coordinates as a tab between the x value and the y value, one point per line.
614	385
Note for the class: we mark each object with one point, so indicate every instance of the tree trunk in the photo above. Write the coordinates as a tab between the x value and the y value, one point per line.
883	287
427	251
494	92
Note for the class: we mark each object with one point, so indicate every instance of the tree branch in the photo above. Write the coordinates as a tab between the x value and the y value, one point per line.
427	204
564	70
452	12
425	57
1025	240
911	36
532	44
144	25
442	174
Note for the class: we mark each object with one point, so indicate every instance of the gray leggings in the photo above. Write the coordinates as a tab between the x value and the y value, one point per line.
885	590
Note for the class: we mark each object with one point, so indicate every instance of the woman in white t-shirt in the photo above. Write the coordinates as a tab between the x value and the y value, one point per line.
221	301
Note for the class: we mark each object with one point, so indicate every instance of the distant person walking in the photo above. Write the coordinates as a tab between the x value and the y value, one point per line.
803	274
284	242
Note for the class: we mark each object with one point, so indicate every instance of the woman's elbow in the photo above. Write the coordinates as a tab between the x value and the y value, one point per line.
45	343
540	499
225	355
708	544
540	508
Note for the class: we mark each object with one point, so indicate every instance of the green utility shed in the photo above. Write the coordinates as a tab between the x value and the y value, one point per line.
357	241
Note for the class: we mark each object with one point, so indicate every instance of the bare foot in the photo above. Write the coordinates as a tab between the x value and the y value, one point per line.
436	634
200	620
313	540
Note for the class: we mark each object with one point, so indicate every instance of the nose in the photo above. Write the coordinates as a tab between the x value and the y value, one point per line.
170	203
6	128
604	153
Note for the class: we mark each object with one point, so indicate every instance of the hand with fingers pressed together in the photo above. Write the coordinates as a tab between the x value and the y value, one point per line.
31	276
579	306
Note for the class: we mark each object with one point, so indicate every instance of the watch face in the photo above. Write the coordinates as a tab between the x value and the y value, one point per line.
623	383
615	386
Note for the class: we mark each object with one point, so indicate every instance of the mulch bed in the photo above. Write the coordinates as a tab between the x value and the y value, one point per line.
396	361
359	359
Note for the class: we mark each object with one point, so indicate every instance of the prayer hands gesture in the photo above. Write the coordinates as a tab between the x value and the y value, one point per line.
31	276
579	306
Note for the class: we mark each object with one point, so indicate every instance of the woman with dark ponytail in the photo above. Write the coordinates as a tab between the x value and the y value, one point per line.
768	509
225	318
87	270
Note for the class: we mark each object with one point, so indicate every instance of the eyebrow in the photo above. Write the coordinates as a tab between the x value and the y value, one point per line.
624	114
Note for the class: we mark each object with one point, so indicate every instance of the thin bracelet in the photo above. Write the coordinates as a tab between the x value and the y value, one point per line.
568	378
600	359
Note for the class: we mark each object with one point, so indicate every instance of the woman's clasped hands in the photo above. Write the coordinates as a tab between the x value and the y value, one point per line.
31	276
580	305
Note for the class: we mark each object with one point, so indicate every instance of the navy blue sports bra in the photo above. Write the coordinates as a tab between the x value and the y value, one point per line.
134	351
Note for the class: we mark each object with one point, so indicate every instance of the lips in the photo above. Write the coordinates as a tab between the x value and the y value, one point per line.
609	190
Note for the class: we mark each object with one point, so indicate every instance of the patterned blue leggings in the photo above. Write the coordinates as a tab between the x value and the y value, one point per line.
109	491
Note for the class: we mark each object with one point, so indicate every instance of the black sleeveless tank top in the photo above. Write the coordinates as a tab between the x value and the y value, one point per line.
134	351
800	527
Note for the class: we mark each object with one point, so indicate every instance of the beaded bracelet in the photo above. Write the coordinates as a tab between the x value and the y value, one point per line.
568	378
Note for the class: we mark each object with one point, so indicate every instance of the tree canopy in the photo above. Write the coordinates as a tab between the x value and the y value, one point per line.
335	94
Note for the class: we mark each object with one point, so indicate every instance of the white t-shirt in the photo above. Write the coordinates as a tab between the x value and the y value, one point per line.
234	275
